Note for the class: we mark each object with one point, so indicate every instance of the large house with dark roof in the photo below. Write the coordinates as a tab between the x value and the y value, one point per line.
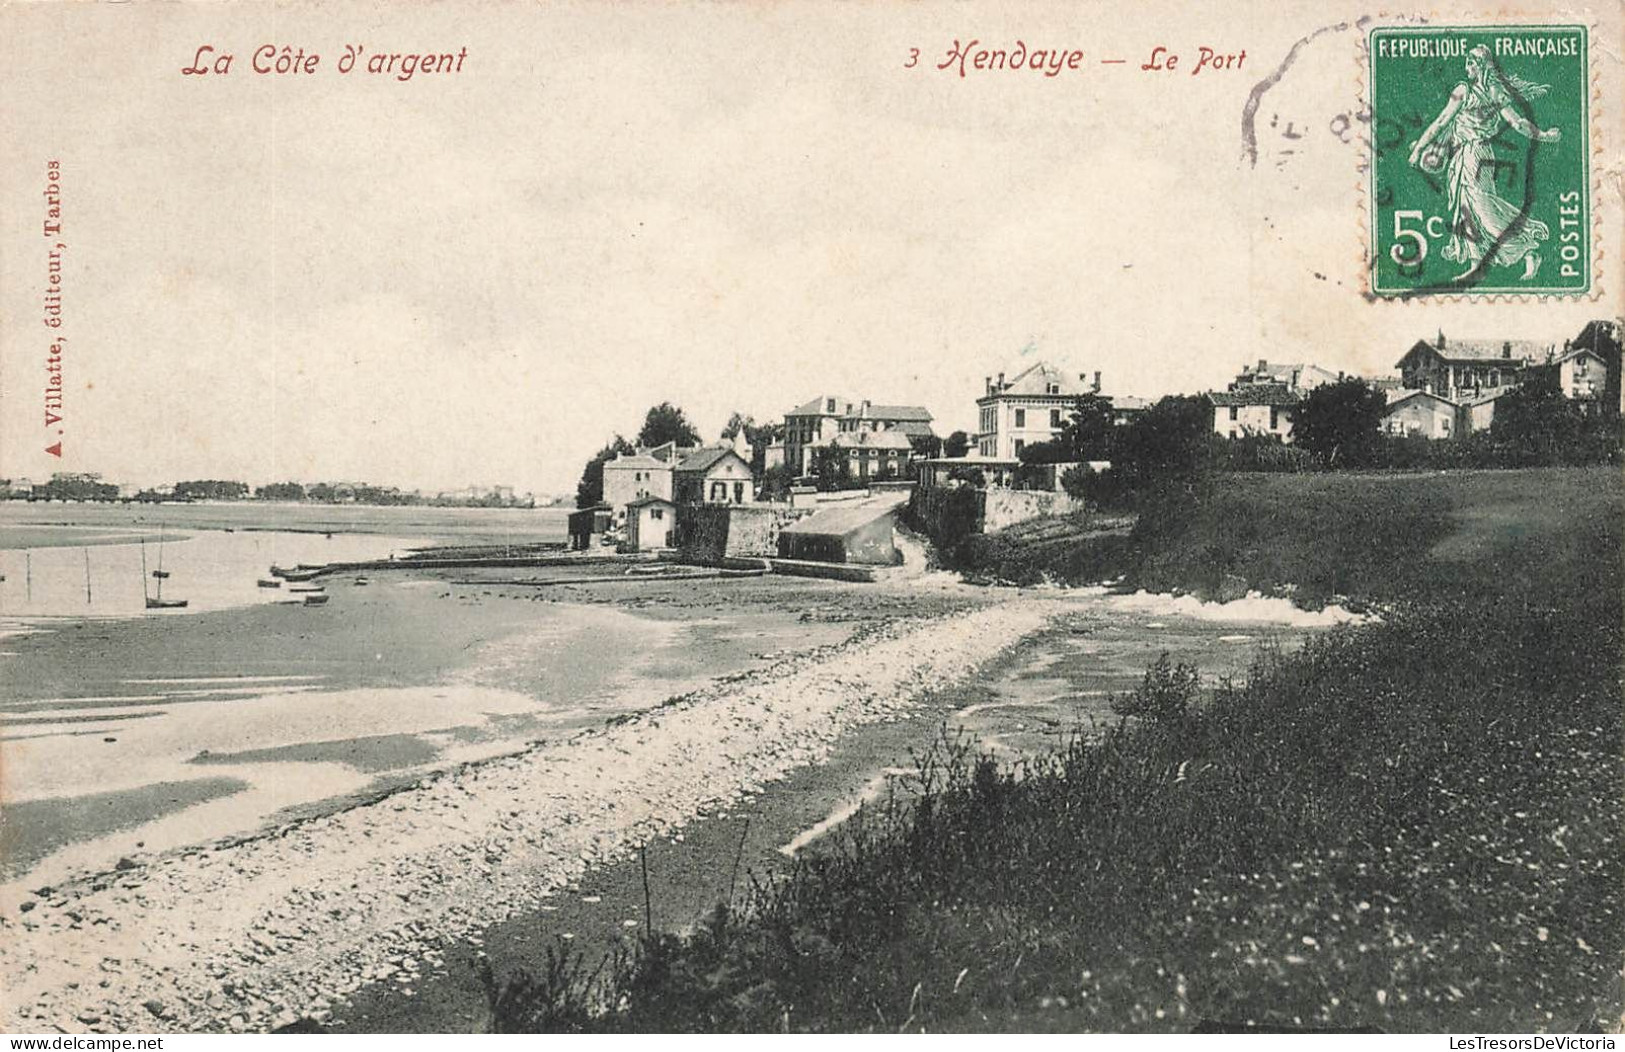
1254	409
1262	399
1028	409
1469	369
816	423
1602	338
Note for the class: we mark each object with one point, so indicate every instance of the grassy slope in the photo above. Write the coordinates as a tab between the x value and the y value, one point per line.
1411	827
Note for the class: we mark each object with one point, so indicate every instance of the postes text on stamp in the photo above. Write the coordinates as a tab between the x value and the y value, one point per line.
1479	165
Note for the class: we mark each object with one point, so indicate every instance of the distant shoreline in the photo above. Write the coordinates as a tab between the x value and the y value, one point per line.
127	523
48	535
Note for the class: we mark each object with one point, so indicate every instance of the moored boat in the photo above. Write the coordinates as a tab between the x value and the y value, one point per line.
265	582
153	602
316	599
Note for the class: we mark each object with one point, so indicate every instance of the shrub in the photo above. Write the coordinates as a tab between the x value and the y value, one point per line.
1165	695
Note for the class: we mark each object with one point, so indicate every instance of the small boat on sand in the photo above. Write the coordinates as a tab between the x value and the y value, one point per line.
298	573
316	599
307	588
157	602
268	582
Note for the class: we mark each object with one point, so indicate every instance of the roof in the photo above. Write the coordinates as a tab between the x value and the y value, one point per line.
1037	378
666	452
848	407
1482	350
914	428
973	460
1256	394
1577	352
651	499
1129	403
1393	406
871	440
917	413
635	460
840	520
703	460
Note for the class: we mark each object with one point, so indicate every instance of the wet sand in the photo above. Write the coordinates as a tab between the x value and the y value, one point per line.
1031	699
308	709
796	698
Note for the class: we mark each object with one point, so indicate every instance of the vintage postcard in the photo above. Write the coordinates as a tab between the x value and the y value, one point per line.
788	516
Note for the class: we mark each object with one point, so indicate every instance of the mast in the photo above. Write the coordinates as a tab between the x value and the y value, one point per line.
143	571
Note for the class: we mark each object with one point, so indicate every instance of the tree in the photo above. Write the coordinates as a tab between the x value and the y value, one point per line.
1170	439
1535	424
757	436
590	490
776	482
1091	432
956	445
1052	452
738	422
1341	423
210	489
280	491
667	423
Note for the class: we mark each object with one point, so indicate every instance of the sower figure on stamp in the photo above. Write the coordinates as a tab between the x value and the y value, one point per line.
1481	220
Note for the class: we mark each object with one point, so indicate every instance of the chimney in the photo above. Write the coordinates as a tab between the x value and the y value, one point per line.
987	381
1001	381
1262	365
1095	389
1441	339
866	404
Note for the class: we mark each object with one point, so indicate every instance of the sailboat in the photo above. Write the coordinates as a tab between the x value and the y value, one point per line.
160	575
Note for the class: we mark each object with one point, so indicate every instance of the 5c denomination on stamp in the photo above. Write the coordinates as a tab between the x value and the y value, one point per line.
1480	178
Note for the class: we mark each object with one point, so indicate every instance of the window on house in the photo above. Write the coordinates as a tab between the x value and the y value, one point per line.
1053	389
1275	419
739	493
1055	419
1232	412
656	514
1020	445
1021	418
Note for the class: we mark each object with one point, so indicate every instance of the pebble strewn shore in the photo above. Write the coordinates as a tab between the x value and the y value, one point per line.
259	933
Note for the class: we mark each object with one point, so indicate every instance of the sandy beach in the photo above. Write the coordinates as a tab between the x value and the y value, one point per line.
246	837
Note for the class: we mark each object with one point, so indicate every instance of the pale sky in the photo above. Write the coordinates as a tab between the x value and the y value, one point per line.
480	277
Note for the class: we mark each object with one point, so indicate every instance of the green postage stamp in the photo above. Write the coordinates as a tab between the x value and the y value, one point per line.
1480	180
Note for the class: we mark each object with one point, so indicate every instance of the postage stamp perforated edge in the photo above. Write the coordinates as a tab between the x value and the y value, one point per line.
1364	196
